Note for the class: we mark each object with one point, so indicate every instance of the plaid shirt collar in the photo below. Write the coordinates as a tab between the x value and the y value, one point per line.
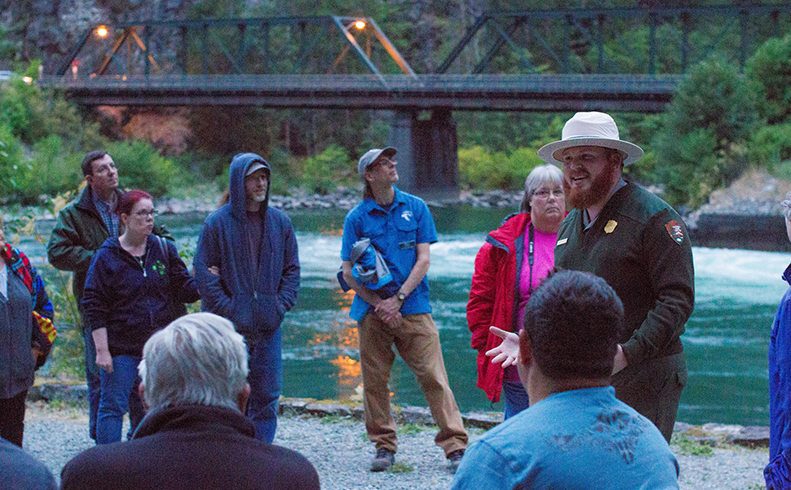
109	218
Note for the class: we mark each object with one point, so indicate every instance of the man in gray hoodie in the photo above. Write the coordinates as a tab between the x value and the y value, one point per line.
255	250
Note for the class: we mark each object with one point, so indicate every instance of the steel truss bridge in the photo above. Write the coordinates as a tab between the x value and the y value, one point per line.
608	59
544	60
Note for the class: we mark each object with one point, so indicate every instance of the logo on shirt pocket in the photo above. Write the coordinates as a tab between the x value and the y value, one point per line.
407	215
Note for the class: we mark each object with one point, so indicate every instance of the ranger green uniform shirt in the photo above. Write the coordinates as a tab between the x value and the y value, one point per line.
641	247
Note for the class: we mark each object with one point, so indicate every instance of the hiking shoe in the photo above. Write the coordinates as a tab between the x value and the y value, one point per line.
383	461
454	459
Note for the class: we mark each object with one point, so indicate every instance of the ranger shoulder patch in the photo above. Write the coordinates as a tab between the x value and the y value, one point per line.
675	231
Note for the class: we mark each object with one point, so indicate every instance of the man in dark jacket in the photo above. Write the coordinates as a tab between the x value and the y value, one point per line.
640	246
255	250
194	437
82	227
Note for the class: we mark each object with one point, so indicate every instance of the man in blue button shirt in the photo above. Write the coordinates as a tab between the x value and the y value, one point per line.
401	228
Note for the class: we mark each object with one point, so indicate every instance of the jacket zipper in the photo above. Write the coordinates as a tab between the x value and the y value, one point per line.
145	274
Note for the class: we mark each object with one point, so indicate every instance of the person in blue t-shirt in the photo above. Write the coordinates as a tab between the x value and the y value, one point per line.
400	228
575	435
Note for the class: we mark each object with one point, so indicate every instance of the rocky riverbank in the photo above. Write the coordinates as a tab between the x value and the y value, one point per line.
747	214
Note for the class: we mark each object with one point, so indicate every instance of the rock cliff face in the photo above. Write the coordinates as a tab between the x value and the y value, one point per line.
48	29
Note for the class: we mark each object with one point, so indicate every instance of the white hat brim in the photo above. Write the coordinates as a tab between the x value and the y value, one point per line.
633	152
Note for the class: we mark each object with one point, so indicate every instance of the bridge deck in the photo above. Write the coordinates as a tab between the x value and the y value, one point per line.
642	93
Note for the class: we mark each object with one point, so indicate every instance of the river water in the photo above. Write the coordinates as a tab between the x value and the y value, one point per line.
737	292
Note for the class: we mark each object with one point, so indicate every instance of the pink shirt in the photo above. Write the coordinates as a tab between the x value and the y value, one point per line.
543	262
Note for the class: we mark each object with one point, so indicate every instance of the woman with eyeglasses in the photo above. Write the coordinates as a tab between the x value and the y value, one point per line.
511	264
132	284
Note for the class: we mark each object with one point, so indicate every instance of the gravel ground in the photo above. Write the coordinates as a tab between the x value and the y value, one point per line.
341	453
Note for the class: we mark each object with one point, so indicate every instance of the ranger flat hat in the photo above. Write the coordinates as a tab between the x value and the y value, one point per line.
591	129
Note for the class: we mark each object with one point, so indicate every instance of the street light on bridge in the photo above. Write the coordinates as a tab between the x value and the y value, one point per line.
101	31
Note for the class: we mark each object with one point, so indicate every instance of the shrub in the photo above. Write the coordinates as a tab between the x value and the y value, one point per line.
12	168
14	112
480	169
51	169
140	166
325	171
474	165
769	69
771	145
701	142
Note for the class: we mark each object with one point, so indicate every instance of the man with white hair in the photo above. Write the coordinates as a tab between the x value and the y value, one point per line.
640	246
195	436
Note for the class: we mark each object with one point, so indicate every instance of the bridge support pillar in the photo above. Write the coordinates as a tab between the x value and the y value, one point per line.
428	163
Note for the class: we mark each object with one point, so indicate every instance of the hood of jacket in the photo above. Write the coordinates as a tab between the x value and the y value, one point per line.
512	227
237	173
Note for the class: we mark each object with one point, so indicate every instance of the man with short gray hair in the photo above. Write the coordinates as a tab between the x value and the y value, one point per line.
194	381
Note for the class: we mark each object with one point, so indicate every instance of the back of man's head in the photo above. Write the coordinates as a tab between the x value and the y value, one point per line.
198	359
573	321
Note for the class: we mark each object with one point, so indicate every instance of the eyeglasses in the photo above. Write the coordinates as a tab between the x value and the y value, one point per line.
146	213
104	168
545	193
382	162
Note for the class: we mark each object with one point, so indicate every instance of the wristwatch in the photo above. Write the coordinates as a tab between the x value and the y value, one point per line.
401	296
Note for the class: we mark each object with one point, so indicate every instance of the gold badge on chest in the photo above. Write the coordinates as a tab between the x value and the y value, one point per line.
610	226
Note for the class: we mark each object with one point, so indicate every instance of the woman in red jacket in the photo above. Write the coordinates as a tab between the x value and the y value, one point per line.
509	266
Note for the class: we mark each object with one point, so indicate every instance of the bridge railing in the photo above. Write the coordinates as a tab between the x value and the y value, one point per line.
277	45
618	40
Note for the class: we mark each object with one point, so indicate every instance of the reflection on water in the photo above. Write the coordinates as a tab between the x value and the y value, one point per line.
726	338
349	373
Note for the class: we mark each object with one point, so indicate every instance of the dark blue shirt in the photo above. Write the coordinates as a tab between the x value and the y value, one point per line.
395	233
778	472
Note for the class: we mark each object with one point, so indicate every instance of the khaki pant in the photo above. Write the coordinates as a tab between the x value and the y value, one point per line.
653	388
417	341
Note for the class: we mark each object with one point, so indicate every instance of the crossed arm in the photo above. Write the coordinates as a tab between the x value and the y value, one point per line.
389	310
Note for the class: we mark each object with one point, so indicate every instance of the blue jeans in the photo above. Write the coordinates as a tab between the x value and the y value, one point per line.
516	398
93	380
118	388
266	383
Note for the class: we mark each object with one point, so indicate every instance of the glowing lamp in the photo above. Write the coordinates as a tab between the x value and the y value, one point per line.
359	25
101	31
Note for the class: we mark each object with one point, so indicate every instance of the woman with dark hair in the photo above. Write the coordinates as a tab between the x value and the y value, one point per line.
131	287
509	266
26	334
